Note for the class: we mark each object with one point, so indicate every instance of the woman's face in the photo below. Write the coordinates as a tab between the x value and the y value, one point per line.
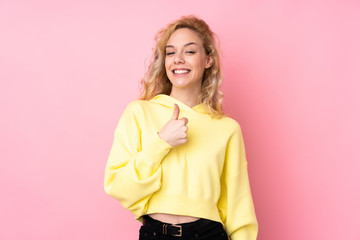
185	59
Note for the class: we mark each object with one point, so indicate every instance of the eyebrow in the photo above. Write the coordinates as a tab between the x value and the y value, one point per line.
185	45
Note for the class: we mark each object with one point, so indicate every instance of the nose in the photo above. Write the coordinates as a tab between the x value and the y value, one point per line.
179	58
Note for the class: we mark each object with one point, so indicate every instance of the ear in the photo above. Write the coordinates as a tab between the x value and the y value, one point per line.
209	61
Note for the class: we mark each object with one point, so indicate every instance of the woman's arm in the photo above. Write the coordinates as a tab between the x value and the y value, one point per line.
235	202
133	171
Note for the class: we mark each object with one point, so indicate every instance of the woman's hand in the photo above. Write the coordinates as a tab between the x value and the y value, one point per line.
174	131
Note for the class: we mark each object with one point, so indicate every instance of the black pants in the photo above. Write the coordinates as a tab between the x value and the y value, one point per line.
202	229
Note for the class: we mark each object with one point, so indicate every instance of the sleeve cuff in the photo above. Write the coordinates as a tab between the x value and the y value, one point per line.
153	152
157	148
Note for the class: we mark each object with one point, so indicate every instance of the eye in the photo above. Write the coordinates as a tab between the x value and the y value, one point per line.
170	53
190	52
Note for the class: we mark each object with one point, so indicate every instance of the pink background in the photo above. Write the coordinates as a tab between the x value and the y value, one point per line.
68	69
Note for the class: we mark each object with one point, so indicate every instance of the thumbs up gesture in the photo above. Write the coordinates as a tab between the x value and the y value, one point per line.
174	131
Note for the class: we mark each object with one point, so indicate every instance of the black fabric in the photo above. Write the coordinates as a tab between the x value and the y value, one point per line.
202	229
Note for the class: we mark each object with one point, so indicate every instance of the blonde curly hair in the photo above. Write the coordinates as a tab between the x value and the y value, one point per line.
156	81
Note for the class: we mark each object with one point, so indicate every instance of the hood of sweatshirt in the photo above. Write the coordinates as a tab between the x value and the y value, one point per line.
169	101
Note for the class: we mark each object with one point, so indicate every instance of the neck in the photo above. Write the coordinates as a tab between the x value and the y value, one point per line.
190	98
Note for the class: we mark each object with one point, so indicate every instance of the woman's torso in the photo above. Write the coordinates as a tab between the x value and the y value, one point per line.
190	172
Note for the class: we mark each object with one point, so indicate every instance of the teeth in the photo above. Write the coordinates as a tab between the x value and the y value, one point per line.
181	71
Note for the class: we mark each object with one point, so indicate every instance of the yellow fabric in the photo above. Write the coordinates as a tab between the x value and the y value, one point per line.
205	177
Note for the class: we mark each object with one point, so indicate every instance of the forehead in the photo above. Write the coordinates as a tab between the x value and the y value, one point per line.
182	36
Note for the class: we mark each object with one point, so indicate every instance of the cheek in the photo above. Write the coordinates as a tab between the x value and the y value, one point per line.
199	63
167	64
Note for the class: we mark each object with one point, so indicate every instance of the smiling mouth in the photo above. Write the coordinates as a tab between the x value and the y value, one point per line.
180	71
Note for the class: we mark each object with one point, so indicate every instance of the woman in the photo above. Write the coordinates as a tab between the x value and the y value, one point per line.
177	161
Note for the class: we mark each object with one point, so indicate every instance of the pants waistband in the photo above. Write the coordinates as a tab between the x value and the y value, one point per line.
190	229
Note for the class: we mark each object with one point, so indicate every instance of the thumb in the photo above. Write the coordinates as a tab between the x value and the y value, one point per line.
176	112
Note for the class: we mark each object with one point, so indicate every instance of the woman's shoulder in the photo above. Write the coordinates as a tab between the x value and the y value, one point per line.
136	105
230	120
227	124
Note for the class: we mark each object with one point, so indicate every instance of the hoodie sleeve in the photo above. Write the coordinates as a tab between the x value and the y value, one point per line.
235	203
133	171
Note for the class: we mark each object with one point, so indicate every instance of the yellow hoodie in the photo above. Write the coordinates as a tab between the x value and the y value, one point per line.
205	177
